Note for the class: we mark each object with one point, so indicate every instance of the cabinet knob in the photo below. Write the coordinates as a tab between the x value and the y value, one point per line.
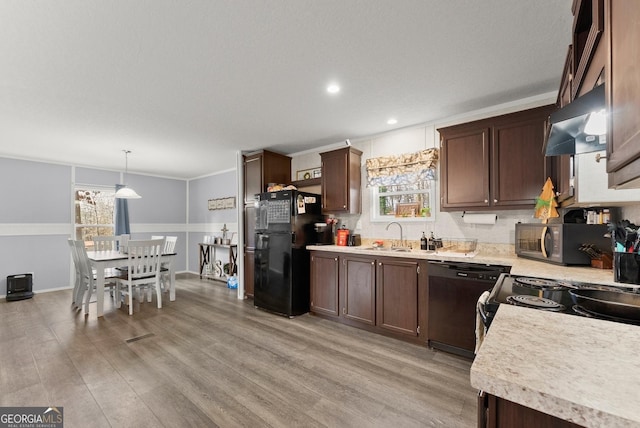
486	201
380	264
344	207
495	201
336	259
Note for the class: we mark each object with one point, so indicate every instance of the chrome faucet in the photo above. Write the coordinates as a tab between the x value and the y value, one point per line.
401	235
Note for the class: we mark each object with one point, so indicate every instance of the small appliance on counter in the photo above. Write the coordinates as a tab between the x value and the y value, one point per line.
564	239
560	243
324	233
354	240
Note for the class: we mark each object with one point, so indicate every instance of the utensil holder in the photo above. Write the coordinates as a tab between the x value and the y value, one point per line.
626	268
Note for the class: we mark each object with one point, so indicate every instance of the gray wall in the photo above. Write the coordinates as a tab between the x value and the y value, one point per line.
36	216
203	221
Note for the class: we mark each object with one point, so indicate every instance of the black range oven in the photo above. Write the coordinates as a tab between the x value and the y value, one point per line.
543	294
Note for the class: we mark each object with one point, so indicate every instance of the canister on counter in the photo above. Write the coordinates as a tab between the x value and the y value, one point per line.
343	237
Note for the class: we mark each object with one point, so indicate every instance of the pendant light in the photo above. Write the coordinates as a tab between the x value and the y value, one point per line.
126	192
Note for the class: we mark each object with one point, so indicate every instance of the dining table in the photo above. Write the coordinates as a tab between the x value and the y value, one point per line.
103	260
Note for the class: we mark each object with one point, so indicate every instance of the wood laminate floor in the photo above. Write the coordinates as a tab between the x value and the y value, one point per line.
208	359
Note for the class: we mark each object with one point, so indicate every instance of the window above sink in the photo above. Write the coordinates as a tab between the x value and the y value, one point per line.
403	202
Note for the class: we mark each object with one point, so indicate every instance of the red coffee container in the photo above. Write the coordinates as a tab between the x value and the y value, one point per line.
343	237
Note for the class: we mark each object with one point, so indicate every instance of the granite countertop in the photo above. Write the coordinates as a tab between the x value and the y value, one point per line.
519	265
579	369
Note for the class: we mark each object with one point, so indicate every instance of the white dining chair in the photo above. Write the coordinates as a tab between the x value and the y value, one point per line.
85	283
110	242
169	248
170	244
143	271
78	274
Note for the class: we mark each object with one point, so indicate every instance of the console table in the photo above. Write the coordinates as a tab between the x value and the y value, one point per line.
208	255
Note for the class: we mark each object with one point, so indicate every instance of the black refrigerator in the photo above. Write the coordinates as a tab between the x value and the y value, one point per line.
284	227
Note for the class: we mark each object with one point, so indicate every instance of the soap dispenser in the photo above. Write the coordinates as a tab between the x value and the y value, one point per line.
423	242
432	242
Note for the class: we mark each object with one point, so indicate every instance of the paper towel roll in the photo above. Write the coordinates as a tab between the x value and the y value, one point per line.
480	218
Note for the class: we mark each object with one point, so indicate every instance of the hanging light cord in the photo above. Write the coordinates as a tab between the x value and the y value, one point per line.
126	164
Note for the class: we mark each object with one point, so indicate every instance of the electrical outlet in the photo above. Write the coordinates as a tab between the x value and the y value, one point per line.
359	225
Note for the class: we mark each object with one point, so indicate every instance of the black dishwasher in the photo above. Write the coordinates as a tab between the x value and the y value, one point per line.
454	289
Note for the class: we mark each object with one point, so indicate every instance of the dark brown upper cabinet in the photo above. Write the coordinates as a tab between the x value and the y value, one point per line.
588	27
494	163
261	168
622	93
341	181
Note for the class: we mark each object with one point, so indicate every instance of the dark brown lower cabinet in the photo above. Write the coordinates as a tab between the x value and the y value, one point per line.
496	412
385	295
325	281
359	289
397	294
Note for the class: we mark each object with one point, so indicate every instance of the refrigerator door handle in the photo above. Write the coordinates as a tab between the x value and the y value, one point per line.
293	237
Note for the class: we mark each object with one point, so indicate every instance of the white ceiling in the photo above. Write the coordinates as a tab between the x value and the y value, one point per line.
185	84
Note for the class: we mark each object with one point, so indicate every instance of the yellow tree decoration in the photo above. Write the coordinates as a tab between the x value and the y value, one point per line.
546	203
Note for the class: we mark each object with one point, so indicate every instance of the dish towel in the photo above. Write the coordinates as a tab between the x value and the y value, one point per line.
480	328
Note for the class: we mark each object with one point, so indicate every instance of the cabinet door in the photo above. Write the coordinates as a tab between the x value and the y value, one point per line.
465	169
252	177
397	296
249	266
276	168
335	187
623	94
501	413
566	83
324	283
517	172
340	182
587	29
358	288
250	226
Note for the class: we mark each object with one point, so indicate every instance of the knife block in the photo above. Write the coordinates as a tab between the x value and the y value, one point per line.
604	262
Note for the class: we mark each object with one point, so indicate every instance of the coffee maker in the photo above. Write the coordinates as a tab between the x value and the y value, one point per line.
324	234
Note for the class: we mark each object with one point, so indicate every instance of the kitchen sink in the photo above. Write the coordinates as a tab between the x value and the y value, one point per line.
396	249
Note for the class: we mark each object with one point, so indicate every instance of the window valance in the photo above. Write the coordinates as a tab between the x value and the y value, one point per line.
408	168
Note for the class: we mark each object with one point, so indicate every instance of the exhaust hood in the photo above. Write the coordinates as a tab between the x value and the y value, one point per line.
566	135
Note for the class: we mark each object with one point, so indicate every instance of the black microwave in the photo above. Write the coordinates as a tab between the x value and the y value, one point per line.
559	243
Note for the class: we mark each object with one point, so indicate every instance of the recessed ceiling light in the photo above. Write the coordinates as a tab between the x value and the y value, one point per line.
333	88
392	121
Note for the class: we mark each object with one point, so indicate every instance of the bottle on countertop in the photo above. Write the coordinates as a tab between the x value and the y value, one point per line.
423	242
432	242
